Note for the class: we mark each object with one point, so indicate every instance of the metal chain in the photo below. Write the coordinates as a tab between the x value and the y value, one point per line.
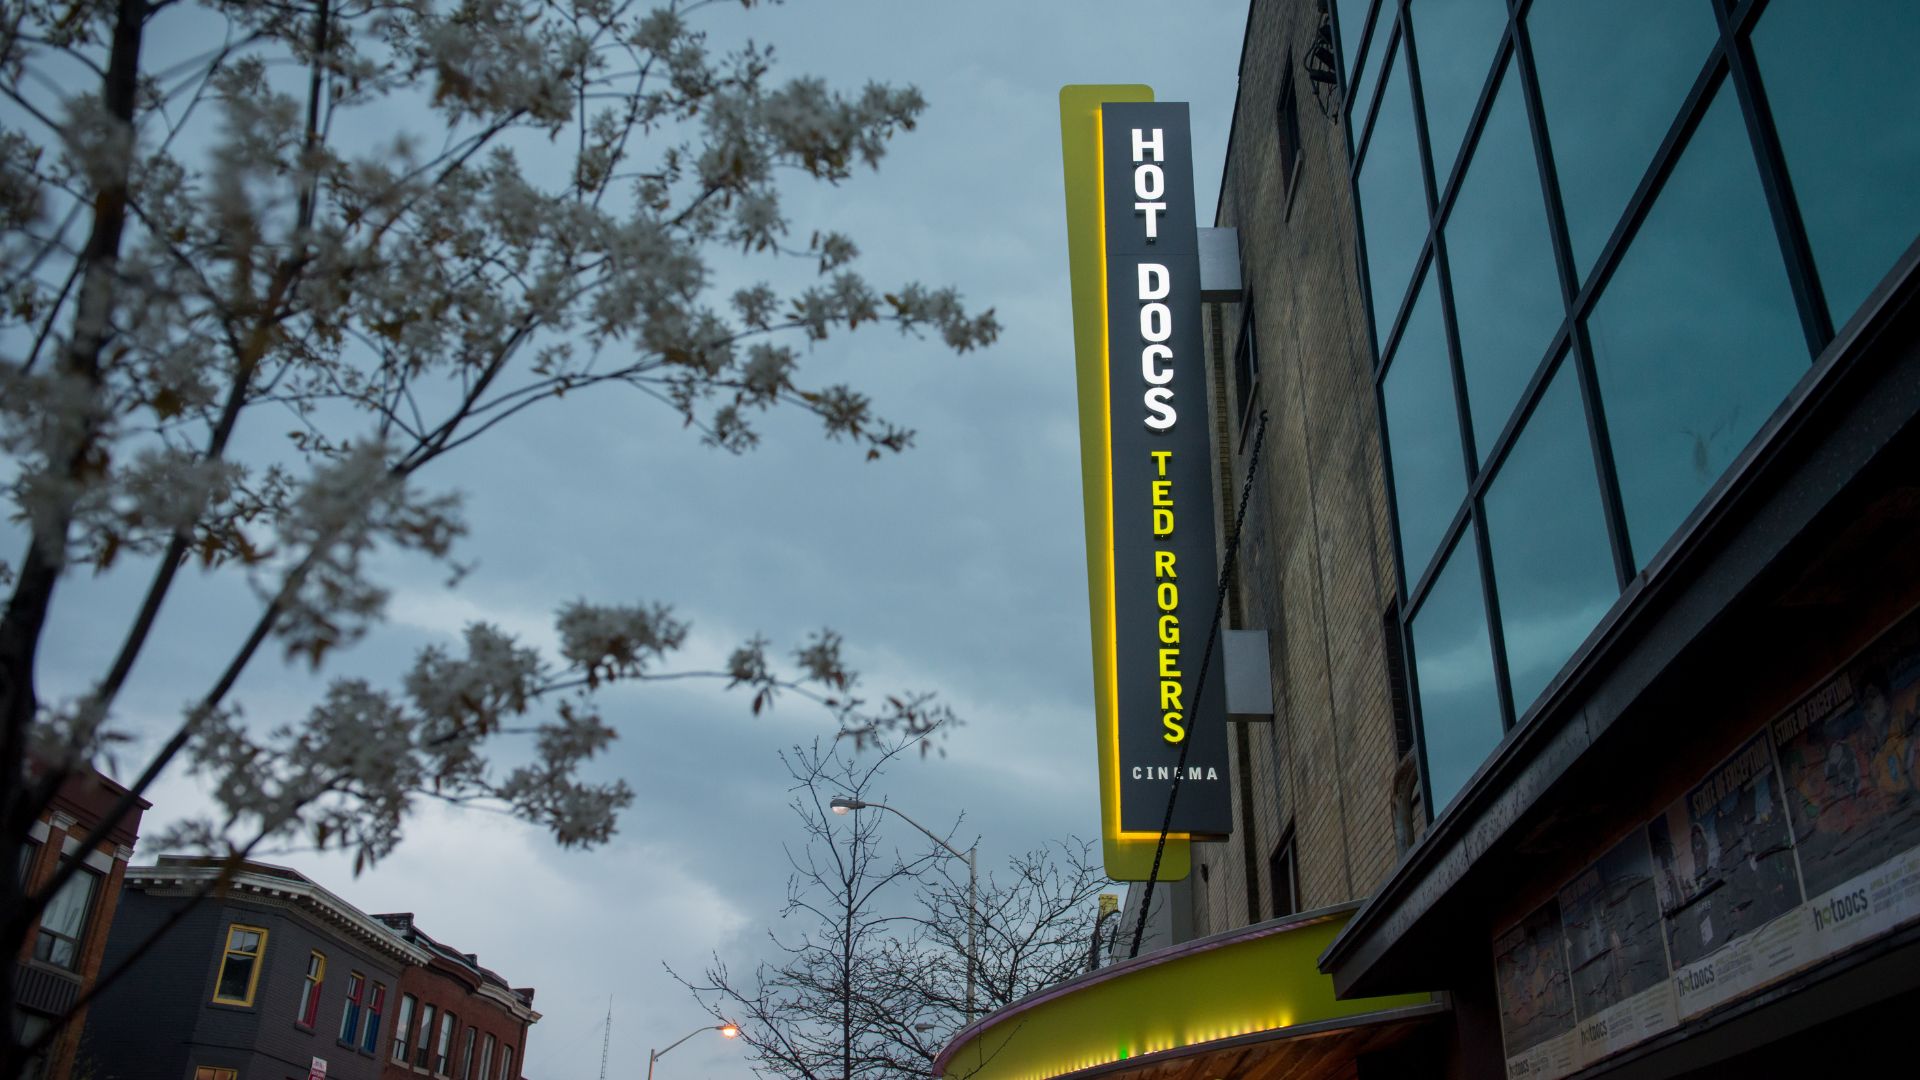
1200	680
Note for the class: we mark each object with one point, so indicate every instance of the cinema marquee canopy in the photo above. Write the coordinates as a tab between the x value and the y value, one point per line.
1145	458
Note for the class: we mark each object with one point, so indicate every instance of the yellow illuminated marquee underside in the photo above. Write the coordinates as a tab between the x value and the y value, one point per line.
1264	979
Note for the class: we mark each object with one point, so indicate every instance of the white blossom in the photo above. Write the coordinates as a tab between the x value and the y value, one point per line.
360	249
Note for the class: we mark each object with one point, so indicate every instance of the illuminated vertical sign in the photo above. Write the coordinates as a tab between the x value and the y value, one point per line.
1146	472
1165	566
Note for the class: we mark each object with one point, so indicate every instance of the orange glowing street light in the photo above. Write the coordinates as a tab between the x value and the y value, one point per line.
727	1031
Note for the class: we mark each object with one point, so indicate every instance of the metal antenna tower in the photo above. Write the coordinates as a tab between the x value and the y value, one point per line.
606	1037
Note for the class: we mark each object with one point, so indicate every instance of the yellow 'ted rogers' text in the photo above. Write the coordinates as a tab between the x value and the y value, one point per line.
1167	599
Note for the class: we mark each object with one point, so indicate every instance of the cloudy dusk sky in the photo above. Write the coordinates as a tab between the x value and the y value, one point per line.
957	567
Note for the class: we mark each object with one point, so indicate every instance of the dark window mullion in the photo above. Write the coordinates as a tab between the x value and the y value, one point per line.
1390	344
1529	396
1611	504
1490	596
1418	588
1448	185
1802	276
1348	62
1580	356
1688	117
1363	263
1436	250
1416	713
1404	310
1411	48
1496	633
1543	152
1364	130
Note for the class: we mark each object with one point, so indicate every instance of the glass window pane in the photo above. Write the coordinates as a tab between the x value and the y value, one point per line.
1353	22
1647	54
1393	198
66	913
234	977
1506	292
63	920
1453	657
1844	90
1552	565
1695	338
1423	433
1456	41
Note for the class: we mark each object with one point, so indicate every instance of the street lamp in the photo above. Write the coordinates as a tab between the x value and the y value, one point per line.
840	804
727	1031
1109	906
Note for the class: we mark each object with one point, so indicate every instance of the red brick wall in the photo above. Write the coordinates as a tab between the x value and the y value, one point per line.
447	987
77	808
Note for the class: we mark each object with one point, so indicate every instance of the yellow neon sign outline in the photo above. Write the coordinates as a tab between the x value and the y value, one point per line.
1112	717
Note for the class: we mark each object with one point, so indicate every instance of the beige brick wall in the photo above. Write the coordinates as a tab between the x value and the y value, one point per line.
1316	567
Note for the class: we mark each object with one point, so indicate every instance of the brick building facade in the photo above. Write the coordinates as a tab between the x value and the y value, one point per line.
1586	534
256	972
1584	529
1323	801
454	1019
60	960
257	983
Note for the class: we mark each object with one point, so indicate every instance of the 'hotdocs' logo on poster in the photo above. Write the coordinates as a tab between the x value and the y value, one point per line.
1840	909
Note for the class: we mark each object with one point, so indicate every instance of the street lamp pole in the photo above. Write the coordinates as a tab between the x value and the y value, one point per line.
841	804
726	1030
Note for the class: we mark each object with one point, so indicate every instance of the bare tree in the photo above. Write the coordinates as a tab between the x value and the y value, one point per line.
1035	923
389	226
815	1012
868	979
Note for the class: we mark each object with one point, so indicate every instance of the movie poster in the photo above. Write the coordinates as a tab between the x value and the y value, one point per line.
1850	755
1724	872
1536	1002
1802	844
1615	951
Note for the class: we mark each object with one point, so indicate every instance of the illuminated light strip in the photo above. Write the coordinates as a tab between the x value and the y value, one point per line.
1109	775
1128	856
1248	986
1112	717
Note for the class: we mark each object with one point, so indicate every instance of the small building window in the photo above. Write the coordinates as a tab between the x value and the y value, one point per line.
466	1057
206	1072
240	965
350	1012
29	1028
443	1052
403	1027
1284	877
310	989
1246	365
506	1063
64	922
1395	648
424	1051
1287	122
486	1057
376	1003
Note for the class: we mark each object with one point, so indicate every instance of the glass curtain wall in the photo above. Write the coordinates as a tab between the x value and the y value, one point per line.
1601	243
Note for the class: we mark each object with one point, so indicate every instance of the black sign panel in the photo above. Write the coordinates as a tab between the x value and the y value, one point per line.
1165	570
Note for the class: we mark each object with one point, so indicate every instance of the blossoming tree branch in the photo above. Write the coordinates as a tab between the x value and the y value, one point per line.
379	230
